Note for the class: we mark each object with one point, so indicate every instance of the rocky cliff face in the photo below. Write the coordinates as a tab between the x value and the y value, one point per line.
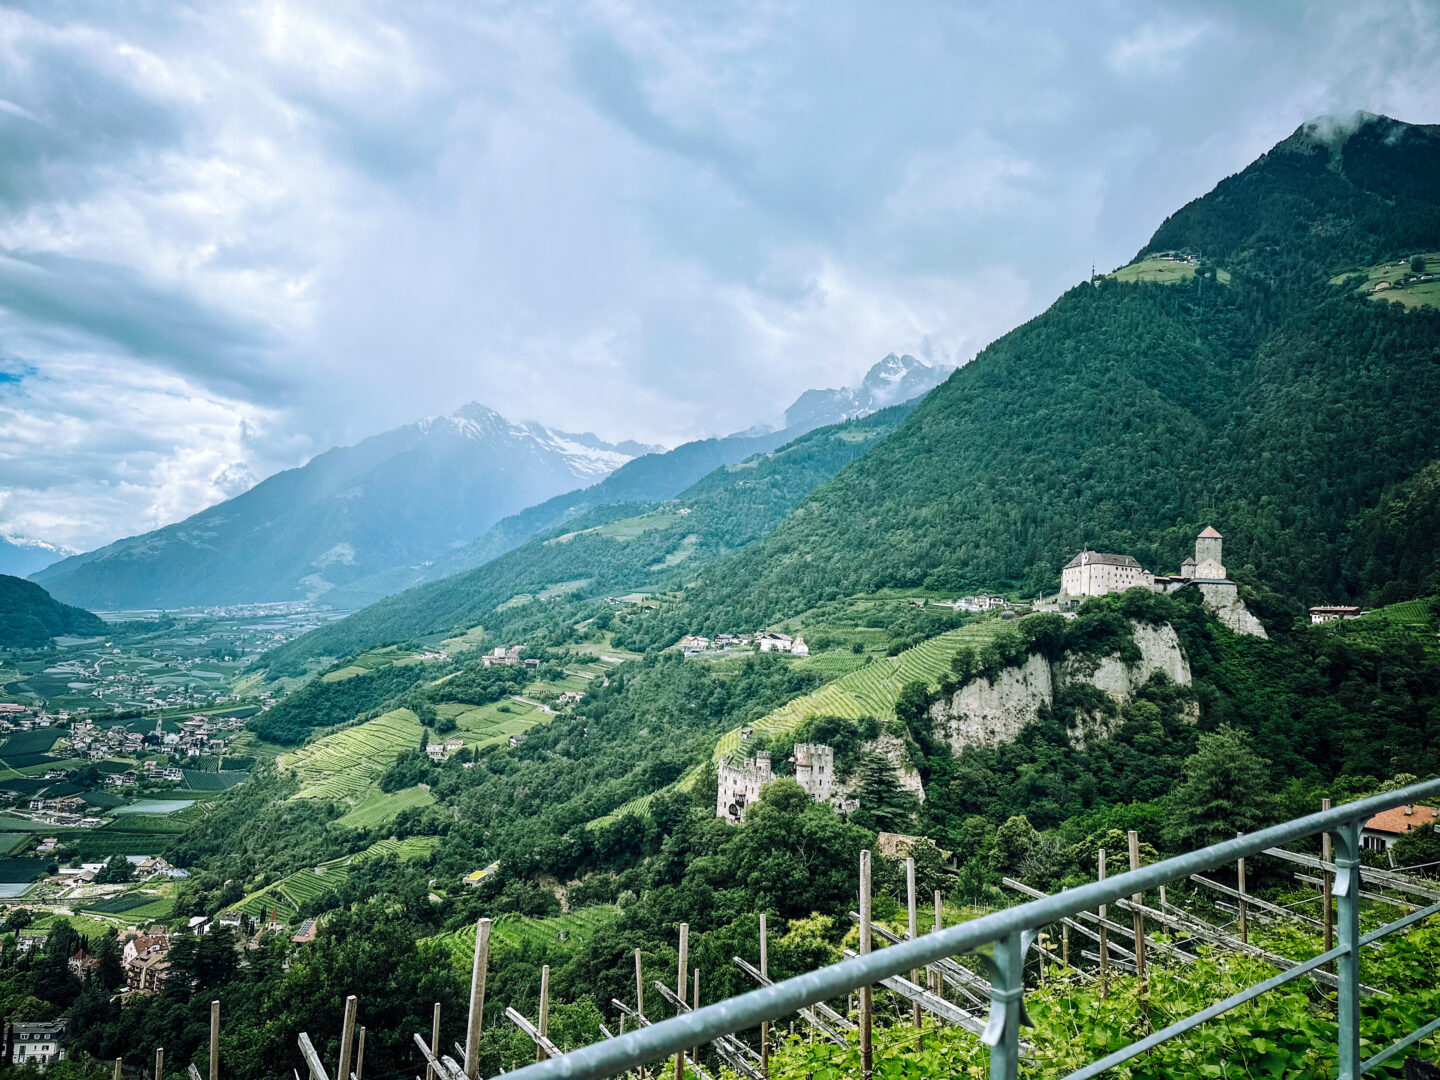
986	712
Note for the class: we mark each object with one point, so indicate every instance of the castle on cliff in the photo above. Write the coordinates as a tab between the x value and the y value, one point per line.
1095	573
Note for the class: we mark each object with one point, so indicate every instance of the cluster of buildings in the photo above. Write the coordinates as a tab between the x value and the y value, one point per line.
146	960
741	779
693	644
500	656
441	751
783	643
198	736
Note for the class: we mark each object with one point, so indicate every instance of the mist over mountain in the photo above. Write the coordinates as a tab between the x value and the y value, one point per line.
891	381
405	496
662	475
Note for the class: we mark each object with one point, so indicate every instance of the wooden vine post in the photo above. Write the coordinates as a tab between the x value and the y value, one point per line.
765	971
914	933
680	991
359	1072
937	980
214	1040
434	1041
160	1063
639	986
1104	951
867	1050
544	1025
1240	887
477	1000
695	1004
1138	900
347	1037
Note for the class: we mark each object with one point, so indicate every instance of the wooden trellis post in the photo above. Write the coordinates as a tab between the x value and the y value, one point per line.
1104	960
347	1038
434	1041
214	1040
117	1069
913	913
765	971
1244	908
1139	919
695	1004
867	1050
639	986
680	991
544	1019
936	978
477	1000
359	1072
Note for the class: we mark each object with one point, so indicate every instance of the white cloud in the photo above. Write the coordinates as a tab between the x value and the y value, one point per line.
235	237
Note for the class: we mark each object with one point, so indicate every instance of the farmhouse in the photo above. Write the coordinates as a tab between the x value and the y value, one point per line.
1331	614
1382	830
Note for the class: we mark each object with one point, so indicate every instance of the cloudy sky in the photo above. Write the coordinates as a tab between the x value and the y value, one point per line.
232	235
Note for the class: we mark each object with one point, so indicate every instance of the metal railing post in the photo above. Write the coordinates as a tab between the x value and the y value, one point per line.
1006	961
1347	925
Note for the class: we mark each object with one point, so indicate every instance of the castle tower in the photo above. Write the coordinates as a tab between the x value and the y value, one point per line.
1208	566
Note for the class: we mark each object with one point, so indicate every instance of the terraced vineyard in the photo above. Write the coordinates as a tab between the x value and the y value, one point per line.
341	765
870	691
290	892
513	931
213	781
377	807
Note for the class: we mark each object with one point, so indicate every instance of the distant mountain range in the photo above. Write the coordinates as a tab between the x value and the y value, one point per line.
423	502
404	496
894	380
891	381
23	555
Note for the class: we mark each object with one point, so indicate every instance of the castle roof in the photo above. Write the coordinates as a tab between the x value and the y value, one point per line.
1189	561
1210	534
1092	557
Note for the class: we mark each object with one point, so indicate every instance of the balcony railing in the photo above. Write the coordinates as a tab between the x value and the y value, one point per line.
1003	939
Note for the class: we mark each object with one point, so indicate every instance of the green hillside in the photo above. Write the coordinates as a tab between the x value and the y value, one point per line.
610	550
1129	415
30	618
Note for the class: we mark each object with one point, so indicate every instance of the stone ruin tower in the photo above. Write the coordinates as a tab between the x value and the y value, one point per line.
740	784
815	770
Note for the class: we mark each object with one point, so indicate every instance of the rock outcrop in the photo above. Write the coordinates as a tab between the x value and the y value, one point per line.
987	712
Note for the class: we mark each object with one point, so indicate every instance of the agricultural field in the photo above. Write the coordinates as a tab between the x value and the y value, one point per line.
289	893
373	661
343	764
486	725
1163	269
377	807
22	743
1395	275
213	781
513	931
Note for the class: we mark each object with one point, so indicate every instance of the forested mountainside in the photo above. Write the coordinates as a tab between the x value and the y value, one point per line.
30	617
612	548
652	477
1275	401
398	498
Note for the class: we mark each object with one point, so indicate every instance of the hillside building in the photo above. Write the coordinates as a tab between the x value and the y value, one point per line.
37	1042
1382	830
1095	573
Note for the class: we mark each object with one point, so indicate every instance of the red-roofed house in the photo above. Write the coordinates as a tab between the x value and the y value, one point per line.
1382	830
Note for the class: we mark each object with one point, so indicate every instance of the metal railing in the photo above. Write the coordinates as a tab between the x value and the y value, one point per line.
1003	938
